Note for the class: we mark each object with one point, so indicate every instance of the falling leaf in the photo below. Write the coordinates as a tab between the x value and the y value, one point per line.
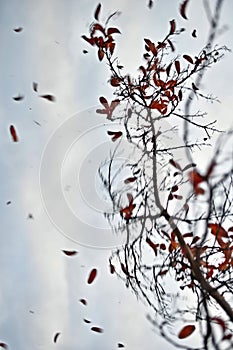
70	252
150	4
183	9
30	216
194	33
97	329
172	26
18	30
115	134
85	51
92	276
120	345
83	301
188	58
37	123
86	321
50	98
97	12
8	202
18	98
130	179
35	86
114	81
186	331
56	336
13	133
218	230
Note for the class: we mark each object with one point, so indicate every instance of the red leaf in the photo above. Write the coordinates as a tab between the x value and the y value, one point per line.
194	33
172	26
92	276
83	301
218	230
186	331
13	133
113	31
56	336
115	134
177	65
100	54
183	9
35	86
70	252
188	58
151	46
114	81
97	12
18	98
152	245
18	30
50	98
130	179
97	329
220	322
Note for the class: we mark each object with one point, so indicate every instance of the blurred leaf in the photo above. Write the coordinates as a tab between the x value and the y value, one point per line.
56	337
183	9
186	331
13	133
92	276
97	12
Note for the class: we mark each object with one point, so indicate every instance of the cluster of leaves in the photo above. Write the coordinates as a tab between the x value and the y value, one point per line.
187	236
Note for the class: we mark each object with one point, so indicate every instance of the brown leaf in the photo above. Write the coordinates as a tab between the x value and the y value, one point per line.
92	276
186	331
112	268
18	30
56	336
188	58
130	179
97	12
70	252
177	65
90	41
175	164
83	301
183	9
48	97
13	133
171	45
18	98
97	329
35	86
218	231
114	81
172	26
100	54
111	31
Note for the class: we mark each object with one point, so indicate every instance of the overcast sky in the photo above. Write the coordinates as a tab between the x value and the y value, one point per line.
40	286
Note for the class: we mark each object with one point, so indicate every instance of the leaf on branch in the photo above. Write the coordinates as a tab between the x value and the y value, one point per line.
130	179
188	58
171	45
175	164
111	31
90	41
115	134
196	179
127	211
101	54
13	133
97	12
194	87
152	245
114	81
172	26
92	276
218	231
186	331
220	322
151	46
123	268
183	9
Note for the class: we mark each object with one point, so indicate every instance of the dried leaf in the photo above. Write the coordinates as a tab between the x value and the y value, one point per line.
97	329
83	301
130	179
92	276
111	31
194	33
97	12
115	134
186	331
175	164
56	336
13	133
177	65
48	97
188	58
114	81
35	86
100	54
183	9
70	252
218	231
18	98
172	26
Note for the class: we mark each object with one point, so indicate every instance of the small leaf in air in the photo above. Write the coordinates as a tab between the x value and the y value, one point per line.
35	86
183	9
85	52
188	58
130	179
172	26
4	345
83	301
18	30
100	54
86	321
97	329
194	33
186	331
56	337
150	4
13	133
120	345
177	65
97	12
70	252
48	97
111	31
18	98
92	276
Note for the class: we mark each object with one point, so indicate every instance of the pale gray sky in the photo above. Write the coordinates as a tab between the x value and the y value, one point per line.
40	286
